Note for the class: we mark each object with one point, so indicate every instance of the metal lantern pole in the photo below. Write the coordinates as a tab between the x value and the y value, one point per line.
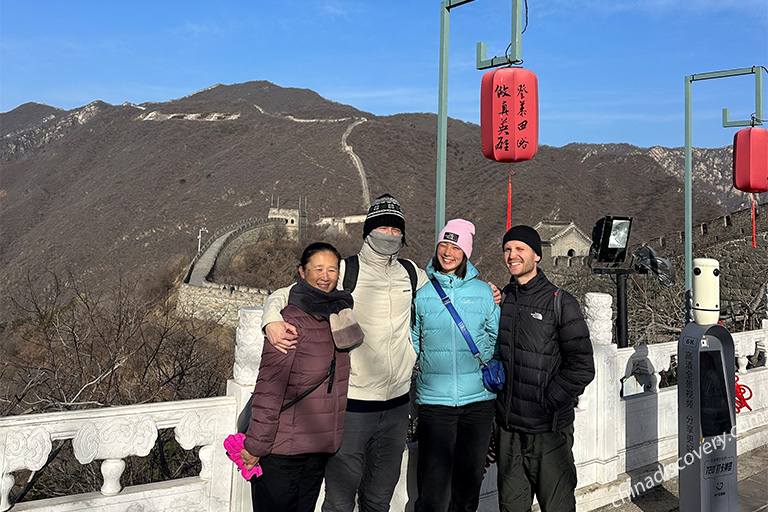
757	71
442	95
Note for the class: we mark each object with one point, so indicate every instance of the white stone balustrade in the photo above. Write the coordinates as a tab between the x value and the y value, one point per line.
114	433
746	343
619	439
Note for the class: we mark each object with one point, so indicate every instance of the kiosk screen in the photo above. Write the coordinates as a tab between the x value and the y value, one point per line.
715	410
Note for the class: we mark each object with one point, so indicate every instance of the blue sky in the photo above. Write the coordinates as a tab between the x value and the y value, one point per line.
609	70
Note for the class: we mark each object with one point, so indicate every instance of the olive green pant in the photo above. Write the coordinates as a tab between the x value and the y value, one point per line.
540	464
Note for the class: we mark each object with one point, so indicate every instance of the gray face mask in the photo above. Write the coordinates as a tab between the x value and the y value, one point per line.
383	243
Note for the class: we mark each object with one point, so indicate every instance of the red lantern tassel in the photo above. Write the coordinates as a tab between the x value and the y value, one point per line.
509	200
754	229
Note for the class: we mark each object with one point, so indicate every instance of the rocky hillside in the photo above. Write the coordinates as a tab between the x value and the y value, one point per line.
711	169
108	190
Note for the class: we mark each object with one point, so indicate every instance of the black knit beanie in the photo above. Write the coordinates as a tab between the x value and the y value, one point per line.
525	234
385	211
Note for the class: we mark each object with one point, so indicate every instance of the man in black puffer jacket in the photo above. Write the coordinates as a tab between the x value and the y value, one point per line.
547	357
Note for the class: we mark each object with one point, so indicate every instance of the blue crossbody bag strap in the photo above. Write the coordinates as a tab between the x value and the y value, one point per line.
456	318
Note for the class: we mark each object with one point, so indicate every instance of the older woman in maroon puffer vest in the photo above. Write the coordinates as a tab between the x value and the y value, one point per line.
290	435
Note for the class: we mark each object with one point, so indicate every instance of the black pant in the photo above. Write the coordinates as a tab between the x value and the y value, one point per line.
453	444
290	483
368	463
540	464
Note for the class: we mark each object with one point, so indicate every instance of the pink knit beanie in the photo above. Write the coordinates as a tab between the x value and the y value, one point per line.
458	232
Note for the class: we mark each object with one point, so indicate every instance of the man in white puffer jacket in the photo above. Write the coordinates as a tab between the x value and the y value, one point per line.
368	462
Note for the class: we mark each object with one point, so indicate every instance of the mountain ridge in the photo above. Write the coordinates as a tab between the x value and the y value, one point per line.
124	189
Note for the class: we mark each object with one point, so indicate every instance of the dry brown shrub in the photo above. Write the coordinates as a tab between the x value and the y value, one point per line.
104	349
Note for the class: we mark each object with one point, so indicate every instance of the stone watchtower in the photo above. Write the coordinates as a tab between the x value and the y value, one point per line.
295	220
562	238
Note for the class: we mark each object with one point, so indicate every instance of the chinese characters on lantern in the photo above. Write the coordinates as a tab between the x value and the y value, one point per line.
522	113
503	130
509	115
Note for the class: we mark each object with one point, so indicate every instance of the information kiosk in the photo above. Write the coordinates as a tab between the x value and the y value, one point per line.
706	418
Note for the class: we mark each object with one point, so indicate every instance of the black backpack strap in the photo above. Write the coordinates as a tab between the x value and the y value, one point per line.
411	269
558	306
351	269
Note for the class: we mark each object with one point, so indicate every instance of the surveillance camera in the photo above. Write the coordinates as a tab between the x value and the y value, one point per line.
706	291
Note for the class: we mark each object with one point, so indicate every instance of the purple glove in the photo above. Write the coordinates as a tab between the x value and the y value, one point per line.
233	444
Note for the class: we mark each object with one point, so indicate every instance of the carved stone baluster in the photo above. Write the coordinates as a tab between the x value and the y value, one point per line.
6	484
21	449
206	458
742	352
112	470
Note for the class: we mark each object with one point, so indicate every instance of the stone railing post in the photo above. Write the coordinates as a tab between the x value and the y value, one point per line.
249	342
765	321
605	388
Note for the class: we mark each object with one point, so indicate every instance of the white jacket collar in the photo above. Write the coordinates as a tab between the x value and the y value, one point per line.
371	257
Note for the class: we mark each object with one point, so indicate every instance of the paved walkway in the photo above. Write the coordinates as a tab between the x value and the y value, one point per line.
206	260
753	489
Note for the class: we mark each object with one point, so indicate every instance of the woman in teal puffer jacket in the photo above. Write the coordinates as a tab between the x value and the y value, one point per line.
455	410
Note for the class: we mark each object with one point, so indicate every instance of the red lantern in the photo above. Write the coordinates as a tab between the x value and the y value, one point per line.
750	160
509	114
